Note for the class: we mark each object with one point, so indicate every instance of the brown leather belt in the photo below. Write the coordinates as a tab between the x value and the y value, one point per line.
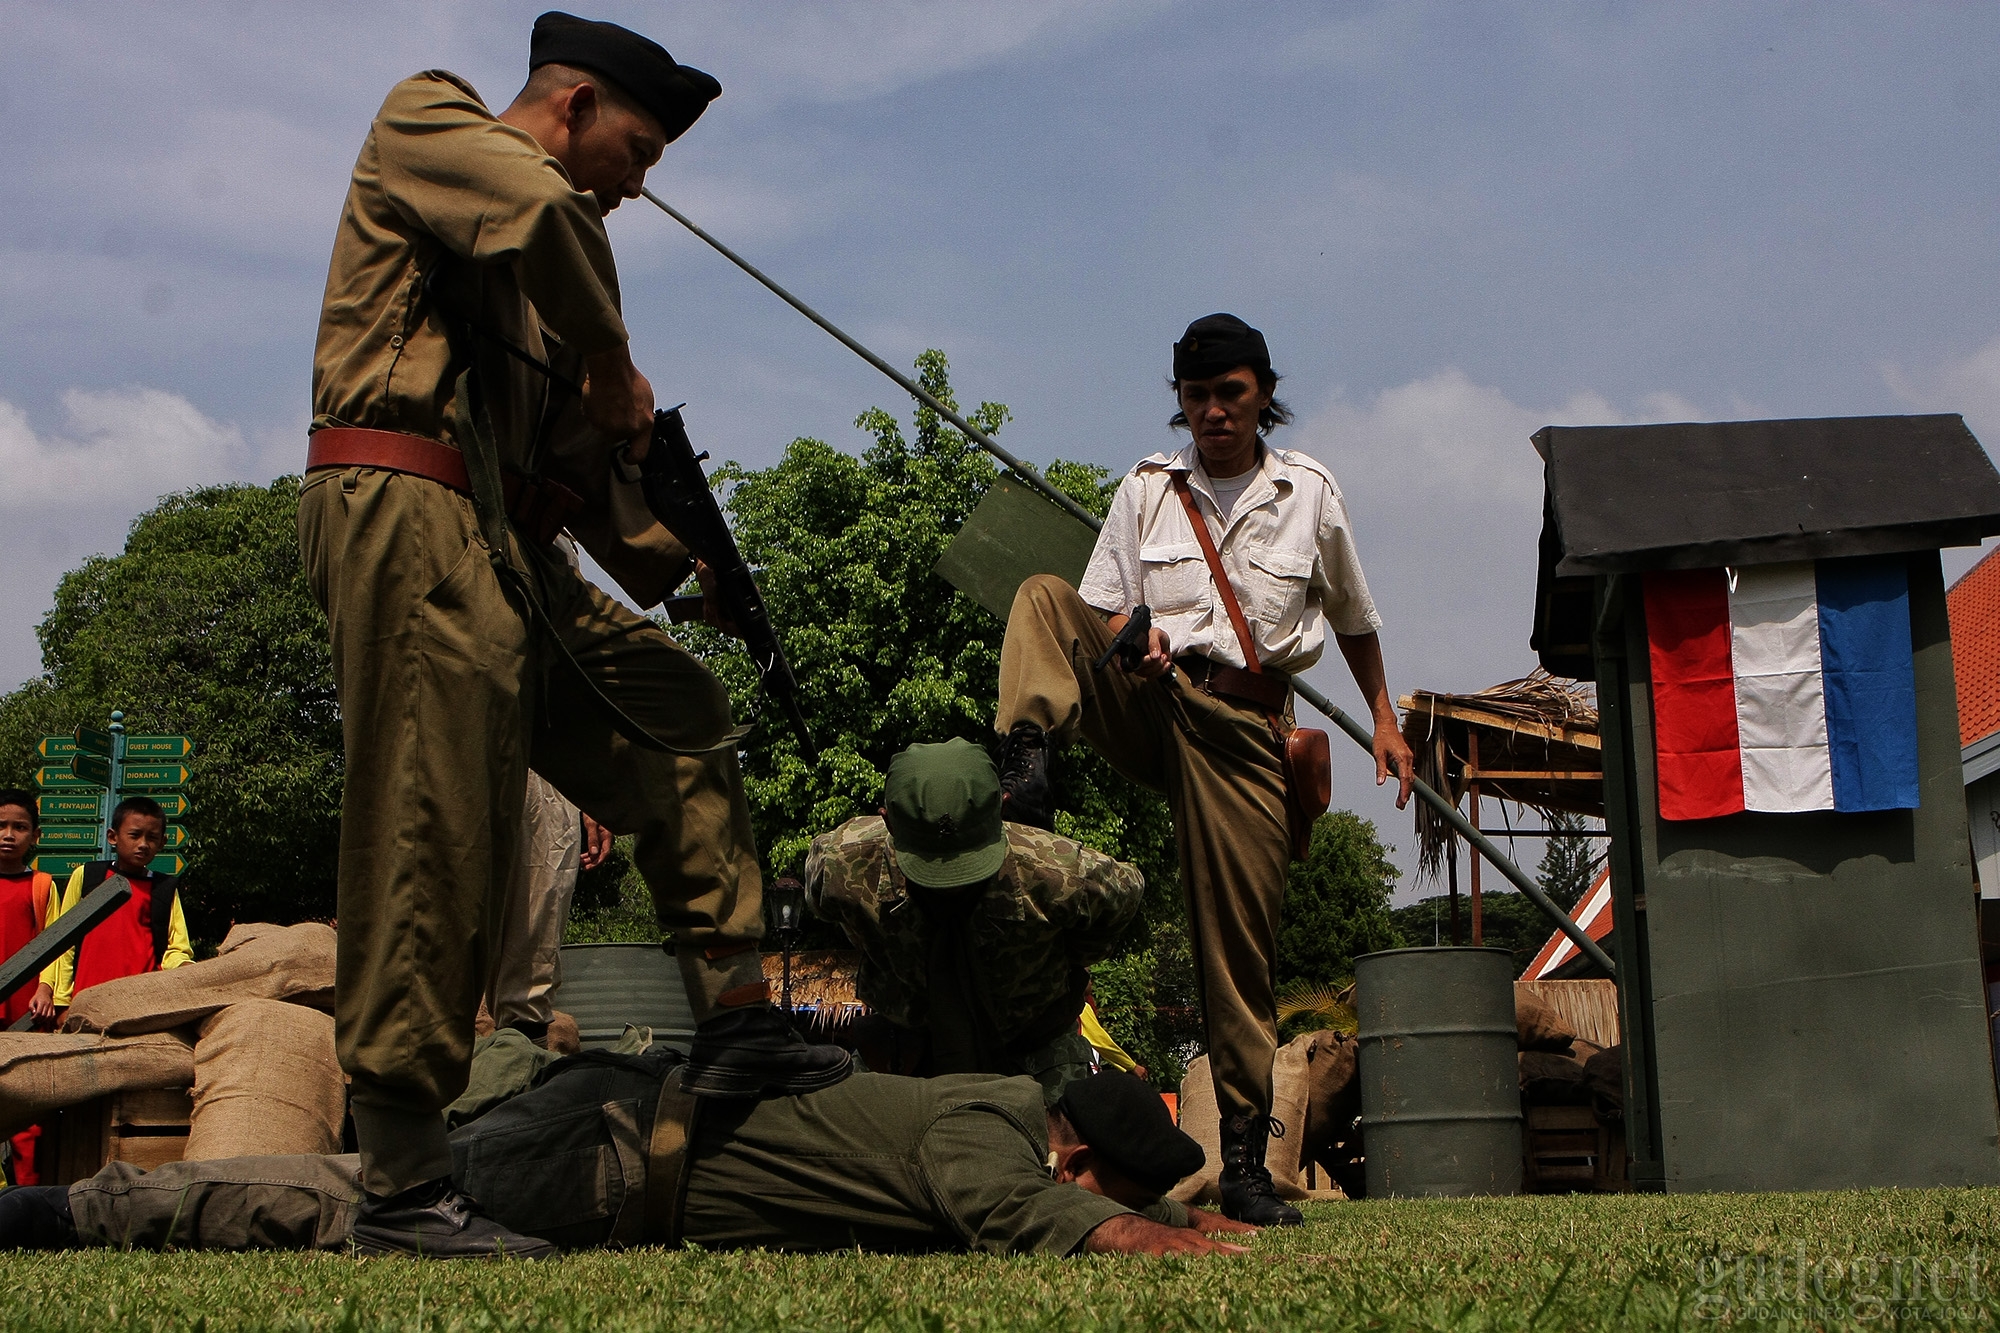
1269	690
538	509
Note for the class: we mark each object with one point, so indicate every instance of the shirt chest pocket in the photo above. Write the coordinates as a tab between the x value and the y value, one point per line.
1173	577
1279	582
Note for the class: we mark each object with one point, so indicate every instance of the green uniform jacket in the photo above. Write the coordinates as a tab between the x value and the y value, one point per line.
1055	907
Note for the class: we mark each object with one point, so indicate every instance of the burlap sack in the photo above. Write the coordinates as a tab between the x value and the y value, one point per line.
257	962
1549	1078
265	1083
43	1072
1604	1075
1291	1089
1539	1027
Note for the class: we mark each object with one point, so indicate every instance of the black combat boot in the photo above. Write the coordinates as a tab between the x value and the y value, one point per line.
36	1217
747	1052
1024	777
436	1220
1247	1192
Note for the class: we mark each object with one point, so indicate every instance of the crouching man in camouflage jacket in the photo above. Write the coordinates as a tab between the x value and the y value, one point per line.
974	933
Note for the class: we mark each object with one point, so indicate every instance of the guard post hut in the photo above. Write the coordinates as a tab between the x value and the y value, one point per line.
1762	608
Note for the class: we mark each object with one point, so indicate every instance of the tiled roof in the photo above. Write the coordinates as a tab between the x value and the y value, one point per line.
1974	604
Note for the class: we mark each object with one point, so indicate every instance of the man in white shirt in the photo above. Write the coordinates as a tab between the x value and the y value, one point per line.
1192	719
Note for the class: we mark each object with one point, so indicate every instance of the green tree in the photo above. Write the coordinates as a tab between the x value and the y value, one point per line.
204	626
1336	903
1569	865
887	654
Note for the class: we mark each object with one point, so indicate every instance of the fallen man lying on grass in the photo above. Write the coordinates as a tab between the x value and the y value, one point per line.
606	1150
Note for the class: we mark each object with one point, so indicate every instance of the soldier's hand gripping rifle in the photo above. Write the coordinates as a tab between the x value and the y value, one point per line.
677	492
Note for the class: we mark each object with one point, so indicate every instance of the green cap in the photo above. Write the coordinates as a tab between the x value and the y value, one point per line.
943	804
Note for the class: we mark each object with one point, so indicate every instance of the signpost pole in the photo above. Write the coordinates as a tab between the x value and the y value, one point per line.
111	797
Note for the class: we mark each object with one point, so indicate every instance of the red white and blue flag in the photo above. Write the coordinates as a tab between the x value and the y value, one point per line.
1783	687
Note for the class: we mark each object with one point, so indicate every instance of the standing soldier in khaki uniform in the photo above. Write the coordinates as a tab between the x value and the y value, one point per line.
974	934
465	647
1193	720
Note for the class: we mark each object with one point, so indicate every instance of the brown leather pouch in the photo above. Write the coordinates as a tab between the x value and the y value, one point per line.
1308	783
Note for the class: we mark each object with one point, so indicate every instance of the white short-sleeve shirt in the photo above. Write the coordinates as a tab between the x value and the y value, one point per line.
1287	547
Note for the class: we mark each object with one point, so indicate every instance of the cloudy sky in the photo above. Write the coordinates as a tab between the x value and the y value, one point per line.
1455	223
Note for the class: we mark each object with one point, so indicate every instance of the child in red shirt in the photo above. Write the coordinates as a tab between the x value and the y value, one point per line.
149	932
25	905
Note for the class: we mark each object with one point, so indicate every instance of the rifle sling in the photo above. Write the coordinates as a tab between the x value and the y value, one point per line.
489	505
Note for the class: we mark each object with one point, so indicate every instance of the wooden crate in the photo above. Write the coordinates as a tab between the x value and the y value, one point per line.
1566	1148
147	1127
1560	1147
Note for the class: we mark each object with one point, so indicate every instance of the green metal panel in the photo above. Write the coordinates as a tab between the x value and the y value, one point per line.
138	776
70	808
58	777
157	747
606	986
1817	1001
59	866
1014	534
66	836
1440	1084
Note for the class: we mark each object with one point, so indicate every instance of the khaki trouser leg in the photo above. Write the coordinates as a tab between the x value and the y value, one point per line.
1219	767
527	962
694	843
432	665
238	1203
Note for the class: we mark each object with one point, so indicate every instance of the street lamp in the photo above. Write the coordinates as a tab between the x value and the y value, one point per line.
788	913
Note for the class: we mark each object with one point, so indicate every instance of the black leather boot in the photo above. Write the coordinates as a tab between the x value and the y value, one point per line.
1024	777
1247	1192
748	1052
36	1217
437	1221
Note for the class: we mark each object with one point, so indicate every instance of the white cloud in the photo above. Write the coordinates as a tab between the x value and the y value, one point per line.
1968	385
118	448
71	493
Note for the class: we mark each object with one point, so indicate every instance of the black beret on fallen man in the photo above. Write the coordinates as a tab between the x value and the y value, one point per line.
676	94
1125	1122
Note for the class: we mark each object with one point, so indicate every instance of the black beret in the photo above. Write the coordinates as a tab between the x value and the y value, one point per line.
676	94
1125	1122
1217	344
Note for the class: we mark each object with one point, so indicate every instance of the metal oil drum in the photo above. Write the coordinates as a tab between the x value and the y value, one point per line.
1440	1080
606	986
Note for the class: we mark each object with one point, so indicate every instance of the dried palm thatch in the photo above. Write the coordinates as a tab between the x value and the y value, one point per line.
1539	724
1331	1008
823	983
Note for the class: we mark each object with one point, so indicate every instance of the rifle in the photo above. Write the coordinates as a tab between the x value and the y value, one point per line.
677	491
1132	642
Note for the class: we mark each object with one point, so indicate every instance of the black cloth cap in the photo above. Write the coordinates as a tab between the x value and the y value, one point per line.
1217	344
676	94
1125	1122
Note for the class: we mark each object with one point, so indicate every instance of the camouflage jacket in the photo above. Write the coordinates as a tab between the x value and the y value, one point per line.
1054	907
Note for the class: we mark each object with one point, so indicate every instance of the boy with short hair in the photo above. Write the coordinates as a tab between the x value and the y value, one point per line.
25	906
148	933
24	901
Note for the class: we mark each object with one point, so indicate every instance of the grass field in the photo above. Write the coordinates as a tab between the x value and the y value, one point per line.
1883	1258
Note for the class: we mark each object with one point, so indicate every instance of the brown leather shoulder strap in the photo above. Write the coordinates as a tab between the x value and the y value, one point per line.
1214	558
667	1160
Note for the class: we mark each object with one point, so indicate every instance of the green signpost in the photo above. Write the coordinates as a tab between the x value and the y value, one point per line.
89	772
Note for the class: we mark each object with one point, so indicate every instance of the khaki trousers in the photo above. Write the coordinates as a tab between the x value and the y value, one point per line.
527	963
1220	770
447	695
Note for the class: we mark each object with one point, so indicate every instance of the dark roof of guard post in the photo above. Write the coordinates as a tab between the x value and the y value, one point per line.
1695	495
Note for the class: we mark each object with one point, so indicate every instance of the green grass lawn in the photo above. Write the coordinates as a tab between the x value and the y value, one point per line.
1875	1259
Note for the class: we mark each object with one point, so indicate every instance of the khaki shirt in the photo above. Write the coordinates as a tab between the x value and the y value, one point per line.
442	185
1055	907
1288	550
